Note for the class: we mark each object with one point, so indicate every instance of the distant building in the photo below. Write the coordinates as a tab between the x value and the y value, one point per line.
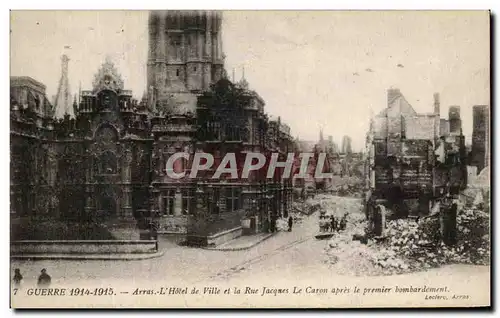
480	151
414	156
346	145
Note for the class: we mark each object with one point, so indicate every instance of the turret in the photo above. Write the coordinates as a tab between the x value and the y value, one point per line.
62	102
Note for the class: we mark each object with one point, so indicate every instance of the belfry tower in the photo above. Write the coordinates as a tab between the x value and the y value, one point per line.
63	101
184	57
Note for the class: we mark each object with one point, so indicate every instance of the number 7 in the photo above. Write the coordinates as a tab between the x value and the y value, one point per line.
15	291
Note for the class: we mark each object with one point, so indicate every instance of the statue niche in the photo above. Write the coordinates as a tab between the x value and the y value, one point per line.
108	100
106	160
107	163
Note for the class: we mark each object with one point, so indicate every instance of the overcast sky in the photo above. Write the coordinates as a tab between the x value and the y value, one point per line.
313	68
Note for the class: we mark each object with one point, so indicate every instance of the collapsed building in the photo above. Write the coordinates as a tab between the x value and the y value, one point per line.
413	160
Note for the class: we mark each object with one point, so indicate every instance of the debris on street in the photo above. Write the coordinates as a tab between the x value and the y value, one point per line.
409	245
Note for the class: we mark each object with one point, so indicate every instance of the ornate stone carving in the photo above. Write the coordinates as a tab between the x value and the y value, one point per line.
107	78
170	150
127	156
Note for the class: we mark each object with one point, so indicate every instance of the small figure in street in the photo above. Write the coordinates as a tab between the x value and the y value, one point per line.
343	222
333	224
323	225
17	277
44	279
290	223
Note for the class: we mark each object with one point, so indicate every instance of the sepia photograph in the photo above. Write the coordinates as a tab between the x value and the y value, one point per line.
250	159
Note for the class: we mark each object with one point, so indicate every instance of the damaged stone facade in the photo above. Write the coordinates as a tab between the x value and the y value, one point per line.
108	164
90	168
414	158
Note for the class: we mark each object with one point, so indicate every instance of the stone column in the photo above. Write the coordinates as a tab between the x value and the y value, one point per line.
89	206
379	221
161	52
127	212
126	207
153	200
52	167
127	162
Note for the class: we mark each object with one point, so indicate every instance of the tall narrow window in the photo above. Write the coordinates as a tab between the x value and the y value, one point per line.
177	72
176	41
214	203
232	199
168	203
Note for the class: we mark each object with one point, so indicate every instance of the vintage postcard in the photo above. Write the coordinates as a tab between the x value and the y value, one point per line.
249	159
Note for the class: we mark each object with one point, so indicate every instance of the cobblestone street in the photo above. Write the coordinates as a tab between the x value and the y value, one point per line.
287	256
184	263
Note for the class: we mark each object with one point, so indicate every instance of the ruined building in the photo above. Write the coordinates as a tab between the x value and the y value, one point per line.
480	152
413	157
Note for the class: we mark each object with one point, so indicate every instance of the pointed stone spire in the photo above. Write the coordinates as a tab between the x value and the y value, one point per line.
62	102
243	82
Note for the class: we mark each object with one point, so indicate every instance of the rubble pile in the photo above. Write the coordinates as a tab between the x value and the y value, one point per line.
348	257
410	245
310	206
347	186
352	257
420	244
473	228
